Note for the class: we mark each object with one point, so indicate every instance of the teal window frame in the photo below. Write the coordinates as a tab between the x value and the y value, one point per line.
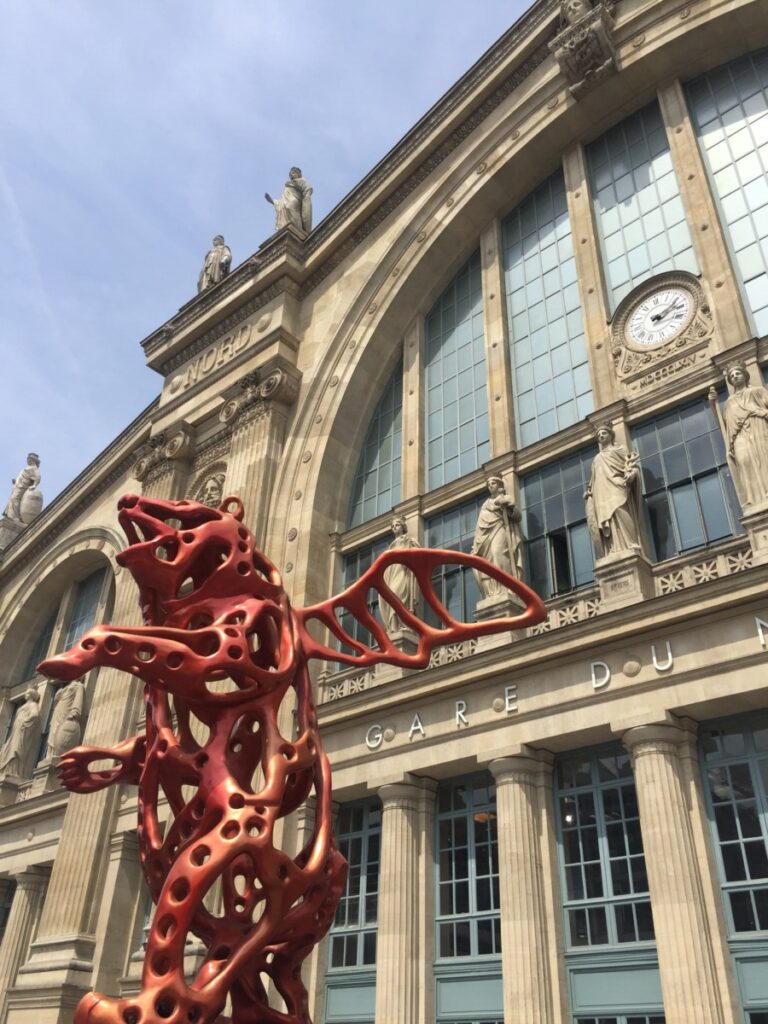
355	564
467	870
39	647
352	936
456	399
621	1018
591	851
454	585
377	484
729	111
639	212
84	607
552	387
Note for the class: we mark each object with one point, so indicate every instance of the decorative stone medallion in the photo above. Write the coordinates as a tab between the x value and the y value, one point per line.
660	329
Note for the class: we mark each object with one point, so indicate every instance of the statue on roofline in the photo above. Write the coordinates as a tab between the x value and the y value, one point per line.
294	207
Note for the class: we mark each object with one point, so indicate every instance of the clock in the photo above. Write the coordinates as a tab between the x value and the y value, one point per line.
660	316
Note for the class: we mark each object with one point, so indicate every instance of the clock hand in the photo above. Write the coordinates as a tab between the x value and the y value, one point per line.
664	313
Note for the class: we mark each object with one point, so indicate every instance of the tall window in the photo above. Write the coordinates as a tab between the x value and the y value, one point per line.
633	1018
455	585
377	481
40	646
730	111
7	889
689	494
601	851
639	212
353	935
86	601
552	388
558	546
457	404
736	771
355	564
468	921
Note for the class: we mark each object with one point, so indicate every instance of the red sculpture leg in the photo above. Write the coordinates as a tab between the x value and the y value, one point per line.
218	653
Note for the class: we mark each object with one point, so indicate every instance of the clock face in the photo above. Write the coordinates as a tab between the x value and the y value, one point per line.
660	317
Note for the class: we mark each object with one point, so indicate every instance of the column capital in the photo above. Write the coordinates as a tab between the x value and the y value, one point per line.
658	738
31	878
409	795
523	767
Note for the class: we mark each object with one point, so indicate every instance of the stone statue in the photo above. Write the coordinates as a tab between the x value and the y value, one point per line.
613	496
65	729
26	500
498	538
23	735
400	580
745	426
212	490
216	266
572	11
294	206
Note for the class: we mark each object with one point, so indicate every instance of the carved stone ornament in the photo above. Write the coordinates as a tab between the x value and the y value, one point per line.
584	48
208	488
257	393
660	329
155	457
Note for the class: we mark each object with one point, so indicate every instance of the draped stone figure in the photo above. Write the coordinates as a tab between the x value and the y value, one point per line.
294	206
16	749
498	537
26	500
745	426
217	264
613	497
400	580
66	726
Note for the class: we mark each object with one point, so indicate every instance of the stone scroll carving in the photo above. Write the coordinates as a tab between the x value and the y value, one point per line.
294	207
216	266
23	735
498	538
399	578
613	497
584	46
744	422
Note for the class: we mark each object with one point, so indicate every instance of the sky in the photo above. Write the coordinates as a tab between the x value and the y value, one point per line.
132	131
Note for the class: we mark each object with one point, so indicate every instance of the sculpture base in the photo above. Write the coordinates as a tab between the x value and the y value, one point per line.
755	522
498	606
9	531
624	578
9	789
405	640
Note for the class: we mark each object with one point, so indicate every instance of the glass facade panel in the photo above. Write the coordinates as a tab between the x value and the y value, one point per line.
467	903
550	372
353	933
729	107
689	495
7	890
377	481
558	546
355	564
633	1018
735	758
84	606
605	886
639	213
457	403
455	585
39	647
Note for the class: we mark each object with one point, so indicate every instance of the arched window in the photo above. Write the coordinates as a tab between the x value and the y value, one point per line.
456	400
550	372
377	481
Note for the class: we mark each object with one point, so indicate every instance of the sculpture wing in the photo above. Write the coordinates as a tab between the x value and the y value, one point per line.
422	562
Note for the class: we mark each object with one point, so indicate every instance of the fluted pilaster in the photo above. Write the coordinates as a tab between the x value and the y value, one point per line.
162	466
526	933
19	928
403	956
684	940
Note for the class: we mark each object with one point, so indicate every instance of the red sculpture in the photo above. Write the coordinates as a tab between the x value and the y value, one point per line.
221	637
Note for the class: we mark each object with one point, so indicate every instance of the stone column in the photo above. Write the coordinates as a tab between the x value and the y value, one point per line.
20	927
528	938
690	981
61	957
258	416
718	278
594	300
500	417
414	443
404	957
123	887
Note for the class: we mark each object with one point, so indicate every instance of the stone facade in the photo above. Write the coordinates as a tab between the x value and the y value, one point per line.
267	384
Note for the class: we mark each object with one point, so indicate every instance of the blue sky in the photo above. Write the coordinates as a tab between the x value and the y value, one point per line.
132	131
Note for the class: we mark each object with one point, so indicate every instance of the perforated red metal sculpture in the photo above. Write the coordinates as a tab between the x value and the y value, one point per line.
215	610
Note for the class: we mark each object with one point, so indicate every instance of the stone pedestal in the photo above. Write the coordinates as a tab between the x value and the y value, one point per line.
503	606
404	956
527	935
9	531
25	910
755	522
624	578
9	789
685	942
